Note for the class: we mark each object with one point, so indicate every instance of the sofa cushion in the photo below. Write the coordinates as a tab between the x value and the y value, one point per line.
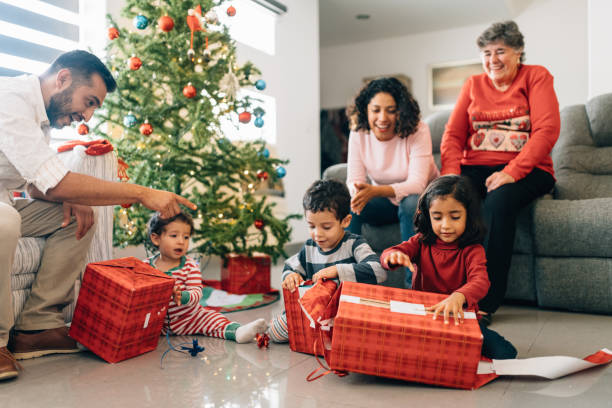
573	228
27	255
579	284
581	156
598	110
521	282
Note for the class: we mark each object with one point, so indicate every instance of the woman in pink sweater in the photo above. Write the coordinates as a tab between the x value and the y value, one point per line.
500	135
389	157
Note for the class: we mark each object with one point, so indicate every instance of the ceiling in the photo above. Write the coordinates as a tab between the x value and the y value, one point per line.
394	18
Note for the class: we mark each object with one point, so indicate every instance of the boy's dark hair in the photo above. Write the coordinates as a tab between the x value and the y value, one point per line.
157	224
409	113
460	188
82	65
329	195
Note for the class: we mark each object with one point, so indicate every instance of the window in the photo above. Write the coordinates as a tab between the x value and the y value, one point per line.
253	25
34	32
234	130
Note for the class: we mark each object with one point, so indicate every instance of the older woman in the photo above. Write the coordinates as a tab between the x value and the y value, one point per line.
392	147
500	135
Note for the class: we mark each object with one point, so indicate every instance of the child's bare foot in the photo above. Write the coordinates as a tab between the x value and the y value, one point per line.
247	332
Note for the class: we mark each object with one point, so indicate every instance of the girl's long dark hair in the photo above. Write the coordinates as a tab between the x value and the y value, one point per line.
460	188
409	113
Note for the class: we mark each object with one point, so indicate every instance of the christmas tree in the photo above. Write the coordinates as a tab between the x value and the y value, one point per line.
177	77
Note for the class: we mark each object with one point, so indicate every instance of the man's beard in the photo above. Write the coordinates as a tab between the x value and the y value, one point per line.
60	105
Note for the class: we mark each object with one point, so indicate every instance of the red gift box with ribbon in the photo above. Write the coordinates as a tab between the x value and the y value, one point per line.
121	307
386	332
241	274
302	332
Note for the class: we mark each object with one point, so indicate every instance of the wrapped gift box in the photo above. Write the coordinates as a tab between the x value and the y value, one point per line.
121	308
243	274
302	332
386	332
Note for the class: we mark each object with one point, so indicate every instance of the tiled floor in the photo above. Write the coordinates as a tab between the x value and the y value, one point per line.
241	375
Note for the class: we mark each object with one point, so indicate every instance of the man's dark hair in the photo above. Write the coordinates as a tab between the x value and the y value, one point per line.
157	224
328	195
460	188
82	65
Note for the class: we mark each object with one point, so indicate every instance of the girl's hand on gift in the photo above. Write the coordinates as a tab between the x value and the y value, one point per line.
176	295
452	304
331	272
398	258
292	281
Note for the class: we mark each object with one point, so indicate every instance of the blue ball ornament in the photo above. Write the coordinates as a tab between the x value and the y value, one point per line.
265	153
259	122
260	84
140	22
129	120
281	172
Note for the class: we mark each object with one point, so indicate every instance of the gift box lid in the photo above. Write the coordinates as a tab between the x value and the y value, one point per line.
128	272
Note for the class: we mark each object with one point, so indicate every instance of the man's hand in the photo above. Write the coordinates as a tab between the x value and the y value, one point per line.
498	179
292	281
165	202
398	258
331	272
365	192
452	304
84	217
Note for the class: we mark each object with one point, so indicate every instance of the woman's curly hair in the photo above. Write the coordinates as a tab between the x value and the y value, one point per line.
407	107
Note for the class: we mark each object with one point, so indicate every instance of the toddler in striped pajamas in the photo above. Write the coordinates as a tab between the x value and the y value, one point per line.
331	252
185	314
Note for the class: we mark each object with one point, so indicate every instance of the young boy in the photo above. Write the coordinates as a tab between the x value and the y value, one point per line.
185	314
331	252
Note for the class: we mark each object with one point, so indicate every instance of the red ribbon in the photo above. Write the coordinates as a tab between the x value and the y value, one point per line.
94	148
194	23
263	340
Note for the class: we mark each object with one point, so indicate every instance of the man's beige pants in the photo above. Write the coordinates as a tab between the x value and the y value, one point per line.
62	261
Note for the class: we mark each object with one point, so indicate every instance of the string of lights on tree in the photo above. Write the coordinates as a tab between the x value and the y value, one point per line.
177	76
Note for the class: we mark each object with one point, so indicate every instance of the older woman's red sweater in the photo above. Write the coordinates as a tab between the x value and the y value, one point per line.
517	127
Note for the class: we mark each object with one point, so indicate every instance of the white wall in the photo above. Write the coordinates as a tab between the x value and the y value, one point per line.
600	51
555	36
292	77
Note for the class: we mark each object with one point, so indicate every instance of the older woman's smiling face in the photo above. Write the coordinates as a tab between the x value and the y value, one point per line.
501	63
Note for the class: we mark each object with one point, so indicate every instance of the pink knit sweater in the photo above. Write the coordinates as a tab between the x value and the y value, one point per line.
406	164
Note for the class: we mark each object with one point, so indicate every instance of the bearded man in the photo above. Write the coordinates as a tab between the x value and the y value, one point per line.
70	90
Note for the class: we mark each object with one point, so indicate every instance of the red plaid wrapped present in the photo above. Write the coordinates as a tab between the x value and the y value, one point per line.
386	332
242	274
121	308
302	333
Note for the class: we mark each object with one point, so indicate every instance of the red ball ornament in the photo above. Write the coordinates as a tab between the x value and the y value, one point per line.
263	175
126	205
231	11
189	91
113	33
134	63
244	117
83	129
146	129
259	224
165	23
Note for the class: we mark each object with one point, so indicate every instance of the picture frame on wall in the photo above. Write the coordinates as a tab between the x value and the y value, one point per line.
447	79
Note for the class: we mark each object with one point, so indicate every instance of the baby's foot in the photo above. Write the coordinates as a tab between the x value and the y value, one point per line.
247	332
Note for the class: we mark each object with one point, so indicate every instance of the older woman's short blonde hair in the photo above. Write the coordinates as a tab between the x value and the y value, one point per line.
506	32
